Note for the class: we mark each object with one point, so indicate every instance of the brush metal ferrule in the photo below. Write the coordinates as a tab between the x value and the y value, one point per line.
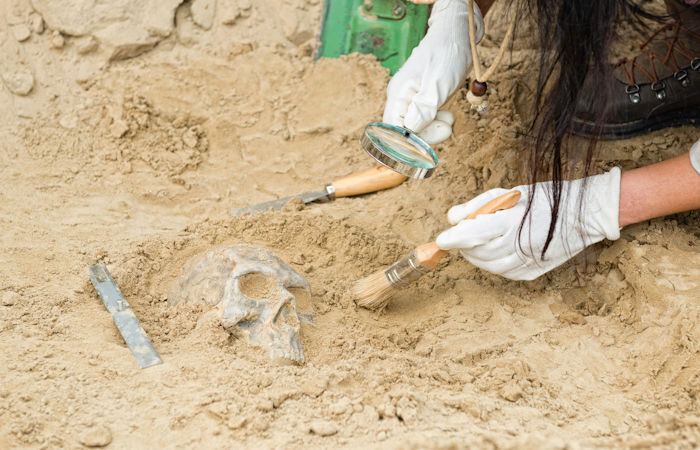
406	270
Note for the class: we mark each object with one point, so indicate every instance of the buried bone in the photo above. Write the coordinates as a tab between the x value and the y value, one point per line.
257	293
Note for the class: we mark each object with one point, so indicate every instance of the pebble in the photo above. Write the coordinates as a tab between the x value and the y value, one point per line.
57	40
97	436
9	298
511	392
189	138
86	44
20	82
118	128
68	122
314	387
323	428
21	32
203	12
572	317
36	22
265	405
340	407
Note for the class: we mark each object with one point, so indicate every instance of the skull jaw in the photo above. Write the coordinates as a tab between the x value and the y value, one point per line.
282	342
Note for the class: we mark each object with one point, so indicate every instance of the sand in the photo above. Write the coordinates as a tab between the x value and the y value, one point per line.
126	137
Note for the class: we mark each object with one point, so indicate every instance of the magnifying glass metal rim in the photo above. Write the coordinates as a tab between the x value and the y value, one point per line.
394	164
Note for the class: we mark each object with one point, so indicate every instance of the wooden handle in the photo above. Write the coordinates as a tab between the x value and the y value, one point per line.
505	201
430	254
367	180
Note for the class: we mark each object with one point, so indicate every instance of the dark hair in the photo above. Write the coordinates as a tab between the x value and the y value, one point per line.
575	37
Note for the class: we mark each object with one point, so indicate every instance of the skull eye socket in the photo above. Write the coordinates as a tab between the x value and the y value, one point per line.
259	286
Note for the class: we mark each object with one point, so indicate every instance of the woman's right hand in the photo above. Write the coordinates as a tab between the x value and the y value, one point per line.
433	72
496	243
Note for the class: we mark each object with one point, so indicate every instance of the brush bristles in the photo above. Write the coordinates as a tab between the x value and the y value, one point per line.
374	291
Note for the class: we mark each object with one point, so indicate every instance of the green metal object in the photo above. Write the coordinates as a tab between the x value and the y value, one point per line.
388	29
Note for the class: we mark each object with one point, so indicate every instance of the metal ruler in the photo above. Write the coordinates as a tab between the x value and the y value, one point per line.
134	335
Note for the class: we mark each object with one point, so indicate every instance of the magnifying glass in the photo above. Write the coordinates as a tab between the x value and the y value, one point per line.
399	149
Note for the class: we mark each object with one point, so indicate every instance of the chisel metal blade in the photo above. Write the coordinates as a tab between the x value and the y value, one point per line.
122	314
307	197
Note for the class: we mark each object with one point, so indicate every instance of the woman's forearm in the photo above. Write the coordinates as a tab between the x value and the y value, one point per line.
668	187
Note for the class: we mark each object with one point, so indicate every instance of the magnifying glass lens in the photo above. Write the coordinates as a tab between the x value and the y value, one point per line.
399	149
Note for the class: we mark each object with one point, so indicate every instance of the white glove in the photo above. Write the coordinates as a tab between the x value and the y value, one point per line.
695	156
433	72
490	241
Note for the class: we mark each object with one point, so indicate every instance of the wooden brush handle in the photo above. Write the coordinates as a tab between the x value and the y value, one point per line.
430	254
367	180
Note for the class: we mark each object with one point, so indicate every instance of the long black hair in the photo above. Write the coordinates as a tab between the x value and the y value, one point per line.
575	38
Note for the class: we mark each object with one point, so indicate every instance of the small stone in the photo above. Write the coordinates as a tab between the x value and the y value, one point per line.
20	82
203	12
572	317
314	387
68	122
57	40
237	422
86	44
189	138
265	405
36	23
323	428
97	436
512	392
21	32
342	406
387	410
9	298
118	128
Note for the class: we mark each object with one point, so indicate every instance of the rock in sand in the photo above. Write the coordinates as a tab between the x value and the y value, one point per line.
203	12
57	40
19	82
323	428
9	298
97	436
36	23
21	32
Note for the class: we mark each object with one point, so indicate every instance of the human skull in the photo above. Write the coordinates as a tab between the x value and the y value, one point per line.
255	291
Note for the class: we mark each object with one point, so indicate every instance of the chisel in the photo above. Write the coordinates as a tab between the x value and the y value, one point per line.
362	182
124	317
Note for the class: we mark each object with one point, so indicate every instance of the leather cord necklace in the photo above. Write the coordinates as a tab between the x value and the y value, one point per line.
476	94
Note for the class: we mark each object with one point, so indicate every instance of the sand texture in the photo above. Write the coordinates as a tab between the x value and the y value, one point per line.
126	137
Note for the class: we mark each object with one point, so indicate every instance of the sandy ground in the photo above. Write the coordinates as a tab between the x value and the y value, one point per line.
128	133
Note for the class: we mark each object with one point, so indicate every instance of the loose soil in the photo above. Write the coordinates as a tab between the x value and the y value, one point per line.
127	141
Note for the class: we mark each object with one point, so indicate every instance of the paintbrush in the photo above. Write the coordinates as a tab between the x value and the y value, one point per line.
375	291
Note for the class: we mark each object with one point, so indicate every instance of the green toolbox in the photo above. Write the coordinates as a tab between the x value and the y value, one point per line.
388	29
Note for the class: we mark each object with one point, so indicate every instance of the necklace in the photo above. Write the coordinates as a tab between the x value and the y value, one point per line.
476	95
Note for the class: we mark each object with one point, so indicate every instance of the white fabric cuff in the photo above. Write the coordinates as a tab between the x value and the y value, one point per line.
604	191
695	156
458	7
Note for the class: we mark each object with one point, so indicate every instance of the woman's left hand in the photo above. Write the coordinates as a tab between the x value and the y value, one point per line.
494	242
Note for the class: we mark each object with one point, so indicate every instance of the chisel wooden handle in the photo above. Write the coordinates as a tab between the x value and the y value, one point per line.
430	254
367	180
